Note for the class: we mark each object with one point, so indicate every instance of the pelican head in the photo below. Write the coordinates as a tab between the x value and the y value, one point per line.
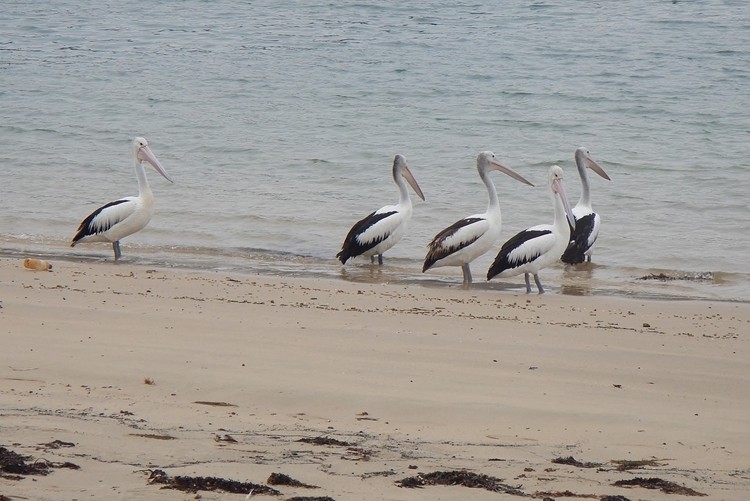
400	168
555	181
486	162
143	152
583	159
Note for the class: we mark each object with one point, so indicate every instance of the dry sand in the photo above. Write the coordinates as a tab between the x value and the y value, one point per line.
204	374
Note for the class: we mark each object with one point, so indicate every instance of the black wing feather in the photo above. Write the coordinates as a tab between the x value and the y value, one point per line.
352	247
503	261
86	227
438	251
579	240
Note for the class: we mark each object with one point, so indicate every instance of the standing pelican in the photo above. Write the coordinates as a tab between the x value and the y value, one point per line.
467	239
382	229
539	246
123	217
583	237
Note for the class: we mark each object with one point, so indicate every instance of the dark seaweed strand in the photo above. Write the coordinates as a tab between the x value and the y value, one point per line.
194	484
463	478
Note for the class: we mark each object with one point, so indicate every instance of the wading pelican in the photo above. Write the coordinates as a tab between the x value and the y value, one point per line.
583	237
123	217
382	229
467	239
539	246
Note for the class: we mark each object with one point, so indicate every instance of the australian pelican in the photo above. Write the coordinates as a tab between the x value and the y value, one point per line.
467	239
539	246
123	217
583	237
382	229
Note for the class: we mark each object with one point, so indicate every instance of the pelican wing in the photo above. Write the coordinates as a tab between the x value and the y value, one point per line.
581	239
367	233
455	237
522	248
104	218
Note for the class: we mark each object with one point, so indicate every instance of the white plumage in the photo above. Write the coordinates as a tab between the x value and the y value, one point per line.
470	237
540	246
582	239
116	220
382	229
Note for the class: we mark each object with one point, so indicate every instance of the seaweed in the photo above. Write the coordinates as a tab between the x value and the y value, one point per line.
154	436
460	477
630	464
214	404
692	277
324	441
195	484
658	483
570	460
310	498
12	465
57	444
550	495
282	479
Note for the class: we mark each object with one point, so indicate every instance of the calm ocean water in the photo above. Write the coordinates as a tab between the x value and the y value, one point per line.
279	120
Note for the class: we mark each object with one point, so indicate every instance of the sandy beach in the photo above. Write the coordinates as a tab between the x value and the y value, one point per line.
119	376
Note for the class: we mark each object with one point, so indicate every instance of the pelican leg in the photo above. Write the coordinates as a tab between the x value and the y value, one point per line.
372	259
116	248
528	285
380	259
467	275
588	258
538	284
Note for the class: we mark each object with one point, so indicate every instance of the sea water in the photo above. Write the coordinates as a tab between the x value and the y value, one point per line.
279	120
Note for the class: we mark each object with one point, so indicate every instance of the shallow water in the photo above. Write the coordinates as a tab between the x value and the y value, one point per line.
279	121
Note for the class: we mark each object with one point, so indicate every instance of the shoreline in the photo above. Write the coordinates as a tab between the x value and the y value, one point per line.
221	374
588	280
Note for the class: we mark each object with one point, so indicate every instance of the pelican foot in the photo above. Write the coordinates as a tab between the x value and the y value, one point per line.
467	276
538	284
528	284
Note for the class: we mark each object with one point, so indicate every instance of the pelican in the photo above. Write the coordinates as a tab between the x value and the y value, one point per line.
582	239
539	246
123	217
467	239
382	229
